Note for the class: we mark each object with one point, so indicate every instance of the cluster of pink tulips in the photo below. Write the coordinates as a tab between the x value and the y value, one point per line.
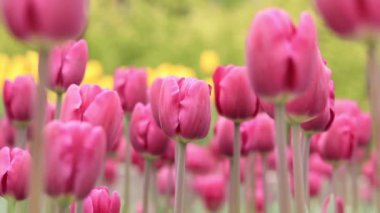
280	132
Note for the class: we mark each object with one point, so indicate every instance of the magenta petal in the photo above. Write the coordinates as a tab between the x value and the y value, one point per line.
169	106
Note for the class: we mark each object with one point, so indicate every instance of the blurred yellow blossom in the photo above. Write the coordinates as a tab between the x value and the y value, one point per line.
209	60
94	71
167	69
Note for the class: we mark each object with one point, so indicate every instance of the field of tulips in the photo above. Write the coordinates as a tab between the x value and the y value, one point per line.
190	106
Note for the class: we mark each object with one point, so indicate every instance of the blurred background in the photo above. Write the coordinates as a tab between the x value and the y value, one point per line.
185	37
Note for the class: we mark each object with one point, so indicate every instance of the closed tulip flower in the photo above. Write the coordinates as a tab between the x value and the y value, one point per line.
154	98
184	107
319	166
350	18
52	19
145	135
131	85
111	172
101	201
224	137
19	98
199	159
165	180
315	182
233	94
7	133
364	130
282	59
67	64
85	102
15	167
212	190
74	156
339	142
259	134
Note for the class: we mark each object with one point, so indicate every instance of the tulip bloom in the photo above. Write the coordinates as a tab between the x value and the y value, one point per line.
19	98
7	133
337	202
85	103
100	201
364	130
233	94
165	180
146	137
67	64
339	142
282	59
199	159
131	85
111	172
15	167
259	134
224	137
52	19
74	157
350	18
211	189
183	107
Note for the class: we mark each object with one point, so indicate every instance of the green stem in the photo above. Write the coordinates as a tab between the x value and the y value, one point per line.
282	163
22	136
265	187
126	205
306	154
169	185
354	185
11	205
180	178
250	189
36	147
147	171
297	170
234	184
58	105
78	206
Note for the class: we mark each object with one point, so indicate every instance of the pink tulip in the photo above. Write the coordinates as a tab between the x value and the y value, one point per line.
169	155
183	107
272	159
282	59
370	171
15	167
224	137
348	107
212	190
74	157
233	94
260	199
339	142
19	98
111	172
199	159
85	103
52	19
7	133
319	166
338	203
154	98
350	18
101	201
315	182
67	65
259	134
364	130
146	137
131	85
166	183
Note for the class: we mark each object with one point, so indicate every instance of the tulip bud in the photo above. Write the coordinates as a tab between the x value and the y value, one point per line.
74	156
15	167
224	137
146	137
7	133
199	159
154	98
339	142
166	180
67	65
100	201
258	134
315	183
319	166
282	59
184	107
233	95
364	130
110	172
131	85
333	204
350	18
19	98
85	102
51	19
212	190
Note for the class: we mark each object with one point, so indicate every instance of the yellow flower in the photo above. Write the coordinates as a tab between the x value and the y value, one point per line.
105	82
94	72
167	69
209	60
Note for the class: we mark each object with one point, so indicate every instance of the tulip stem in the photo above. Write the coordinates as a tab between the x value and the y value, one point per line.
58	105
354	185
169	188
126	205
35	202
79	207
234	182
180	178
147	171
22	136
11	205
265	187
297	169
306	154
250	194
373	87
282	167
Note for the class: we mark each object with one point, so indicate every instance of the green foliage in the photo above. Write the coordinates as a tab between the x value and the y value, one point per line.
147	33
